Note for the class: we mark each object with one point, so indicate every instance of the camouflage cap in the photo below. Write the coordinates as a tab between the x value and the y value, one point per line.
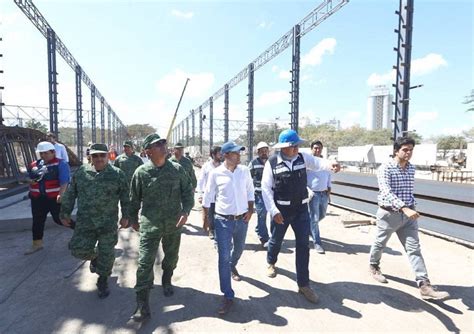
178	145
151	139
98	148
128	143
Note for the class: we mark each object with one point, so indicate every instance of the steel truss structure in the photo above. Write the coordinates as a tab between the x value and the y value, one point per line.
292	37
54	44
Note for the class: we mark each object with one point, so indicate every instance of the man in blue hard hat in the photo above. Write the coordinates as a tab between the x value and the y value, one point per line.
286	198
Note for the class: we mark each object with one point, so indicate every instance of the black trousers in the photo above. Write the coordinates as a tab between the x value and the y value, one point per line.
40	207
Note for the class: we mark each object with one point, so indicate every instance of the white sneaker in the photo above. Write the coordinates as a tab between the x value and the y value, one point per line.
319	249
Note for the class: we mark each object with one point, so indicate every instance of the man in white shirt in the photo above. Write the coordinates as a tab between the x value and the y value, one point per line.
213	162
60	149
230	187
286	198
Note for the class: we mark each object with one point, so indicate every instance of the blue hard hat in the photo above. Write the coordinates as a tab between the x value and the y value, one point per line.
230	146
288	138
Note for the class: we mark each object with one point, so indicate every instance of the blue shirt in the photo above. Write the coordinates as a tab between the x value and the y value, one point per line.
318	181
396	185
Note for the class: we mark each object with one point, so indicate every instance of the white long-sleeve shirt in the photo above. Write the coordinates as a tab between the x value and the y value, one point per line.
205	170
231	191
61	152
311	163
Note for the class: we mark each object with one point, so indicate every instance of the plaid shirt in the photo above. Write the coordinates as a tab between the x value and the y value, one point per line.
396	185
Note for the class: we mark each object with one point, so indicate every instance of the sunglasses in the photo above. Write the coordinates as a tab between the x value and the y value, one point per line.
99	155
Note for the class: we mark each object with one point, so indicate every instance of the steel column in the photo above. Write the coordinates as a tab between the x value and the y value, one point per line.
200	130
80	134
402	85
295	78
226	113
102	121
193	132
250	96
187	131
52	83
93	126
109	126
211	123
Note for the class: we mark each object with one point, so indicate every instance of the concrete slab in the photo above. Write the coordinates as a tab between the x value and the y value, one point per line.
35	296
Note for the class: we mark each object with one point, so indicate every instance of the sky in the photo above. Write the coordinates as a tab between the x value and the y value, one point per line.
139	54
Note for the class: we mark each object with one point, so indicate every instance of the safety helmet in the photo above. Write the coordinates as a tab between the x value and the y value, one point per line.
44	146
288	138
262	144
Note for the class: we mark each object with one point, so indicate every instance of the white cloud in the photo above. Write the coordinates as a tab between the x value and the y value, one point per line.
421	66
427	64
272	98
315	55
454	131
284	74
181	14
198	87
275	68
265	25
381	79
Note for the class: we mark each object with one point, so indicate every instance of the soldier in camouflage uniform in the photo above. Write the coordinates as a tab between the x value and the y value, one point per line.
163	191
98	189
128	161
187	164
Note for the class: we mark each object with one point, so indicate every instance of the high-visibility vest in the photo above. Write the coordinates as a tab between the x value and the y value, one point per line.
49	185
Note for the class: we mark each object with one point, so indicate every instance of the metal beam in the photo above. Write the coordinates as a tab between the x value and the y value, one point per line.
109	126
102	121
52	82
250	113
187	131
93	122
211	123
226	113
295	79
402	85
193	129
80	134
200	130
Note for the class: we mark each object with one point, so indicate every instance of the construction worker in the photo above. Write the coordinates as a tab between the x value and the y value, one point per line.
49	178
162	190
256	171
98	188
286	198
186	163
128	161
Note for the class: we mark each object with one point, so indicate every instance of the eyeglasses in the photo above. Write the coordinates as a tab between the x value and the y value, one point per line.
99	155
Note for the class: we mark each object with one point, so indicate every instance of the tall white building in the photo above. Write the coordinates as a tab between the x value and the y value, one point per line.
379	108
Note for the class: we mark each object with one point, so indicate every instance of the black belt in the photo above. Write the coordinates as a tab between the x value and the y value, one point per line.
388	208
231	217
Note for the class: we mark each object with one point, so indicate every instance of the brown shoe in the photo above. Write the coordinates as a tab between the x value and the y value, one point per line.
377	274
309	294
235	275
225	306
428	292
271	271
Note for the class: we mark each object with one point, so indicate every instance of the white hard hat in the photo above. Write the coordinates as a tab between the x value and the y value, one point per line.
262	144
44	146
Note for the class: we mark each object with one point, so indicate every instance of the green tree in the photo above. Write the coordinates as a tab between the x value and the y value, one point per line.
33	124
446	143
137	132
469	100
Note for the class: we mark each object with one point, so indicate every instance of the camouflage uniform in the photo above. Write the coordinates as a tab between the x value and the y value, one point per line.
128	164
97	196
188	167
164	193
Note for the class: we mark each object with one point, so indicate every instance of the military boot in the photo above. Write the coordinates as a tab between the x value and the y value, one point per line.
102	287
168	290
142	312
37	246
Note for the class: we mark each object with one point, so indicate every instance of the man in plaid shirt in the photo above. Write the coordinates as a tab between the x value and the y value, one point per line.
397	214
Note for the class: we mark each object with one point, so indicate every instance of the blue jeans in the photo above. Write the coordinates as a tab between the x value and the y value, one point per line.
230	235
261	227
317	211
407	232
299	221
